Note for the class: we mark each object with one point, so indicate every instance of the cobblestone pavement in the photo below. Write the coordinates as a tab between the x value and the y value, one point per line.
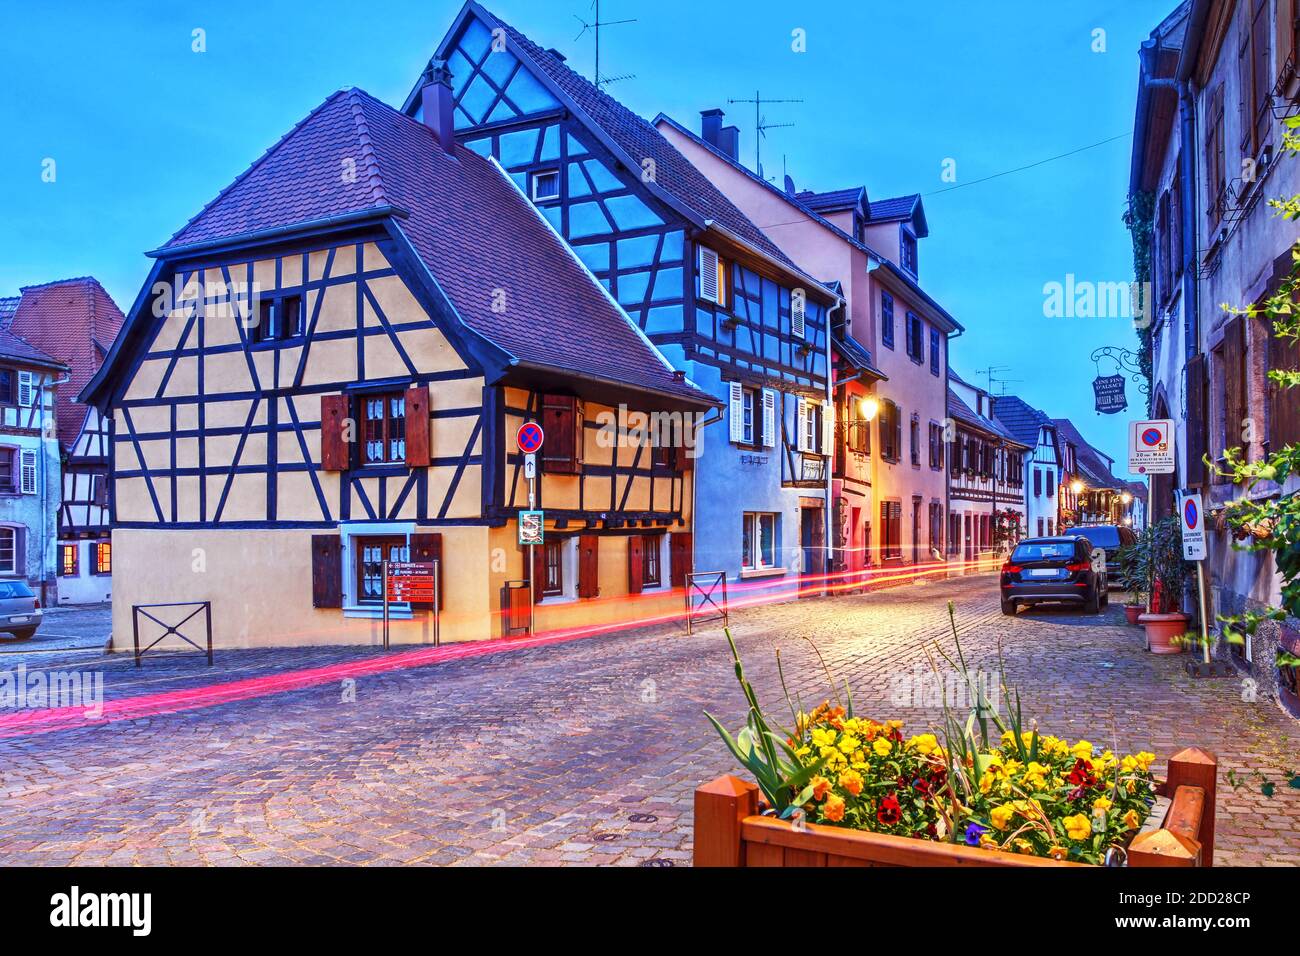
578	753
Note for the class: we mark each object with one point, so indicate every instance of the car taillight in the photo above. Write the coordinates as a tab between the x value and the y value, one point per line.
1010	568
1078	566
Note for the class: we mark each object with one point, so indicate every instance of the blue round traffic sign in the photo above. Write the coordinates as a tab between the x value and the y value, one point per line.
530	437
1190	514
1151	436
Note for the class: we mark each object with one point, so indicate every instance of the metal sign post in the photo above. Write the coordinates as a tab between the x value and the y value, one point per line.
1192	522
385	568
415	582
529	438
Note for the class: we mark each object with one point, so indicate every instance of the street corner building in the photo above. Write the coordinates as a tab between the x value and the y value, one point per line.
326	369
29	467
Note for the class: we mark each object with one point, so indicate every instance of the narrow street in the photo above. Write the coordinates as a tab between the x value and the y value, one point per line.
579	753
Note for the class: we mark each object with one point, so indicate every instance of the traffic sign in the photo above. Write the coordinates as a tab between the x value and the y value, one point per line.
1151	447
530	437
413	581
530	466
531	527
1192	518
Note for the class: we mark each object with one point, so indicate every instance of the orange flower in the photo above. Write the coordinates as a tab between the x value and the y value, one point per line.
821	787
851	781
833	809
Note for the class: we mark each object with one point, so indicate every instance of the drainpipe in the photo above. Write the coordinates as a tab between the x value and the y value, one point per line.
53	532
830	460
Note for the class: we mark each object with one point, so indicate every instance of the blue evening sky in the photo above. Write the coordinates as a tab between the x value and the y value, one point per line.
144	131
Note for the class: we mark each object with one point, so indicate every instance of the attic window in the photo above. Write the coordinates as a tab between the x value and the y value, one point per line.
907	253
278	318
713	277
546	185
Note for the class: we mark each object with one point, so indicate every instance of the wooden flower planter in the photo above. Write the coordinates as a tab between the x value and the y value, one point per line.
729	831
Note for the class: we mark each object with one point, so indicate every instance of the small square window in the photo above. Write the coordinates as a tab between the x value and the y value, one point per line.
546	185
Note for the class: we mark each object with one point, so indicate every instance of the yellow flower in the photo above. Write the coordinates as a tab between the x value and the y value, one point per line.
823	737
833	809
1082	750
1131	820
849	743
1024	846
1128	764
1036	775
1077	827
1102	803
882	747
1144	760
1001	816
986	782
1058	853
851	781
894	724
924	743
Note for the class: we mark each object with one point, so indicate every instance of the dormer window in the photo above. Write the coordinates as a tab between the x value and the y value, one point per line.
713	277
907	250
546	185
278	318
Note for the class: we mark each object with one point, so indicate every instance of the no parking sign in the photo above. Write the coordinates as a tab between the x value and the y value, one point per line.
1192	517
1151	447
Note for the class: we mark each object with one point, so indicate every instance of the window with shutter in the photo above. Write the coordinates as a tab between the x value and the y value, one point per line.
769	418
336	428
1197	420
426	547
886	320
801	426
588	566
418	451
712	277
26	389
326	570
1284	403
736	411
28	471
1235	410
562	420
798	319
679	557
1215	181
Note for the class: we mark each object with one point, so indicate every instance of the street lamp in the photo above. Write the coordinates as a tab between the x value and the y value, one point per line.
1076	486
870	406
1126	497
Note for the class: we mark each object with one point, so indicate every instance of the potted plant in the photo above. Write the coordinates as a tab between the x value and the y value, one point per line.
1132	559
1166	577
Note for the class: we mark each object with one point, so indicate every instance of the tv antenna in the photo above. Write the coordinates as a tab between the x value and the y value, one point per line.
761	125
991	373
594	27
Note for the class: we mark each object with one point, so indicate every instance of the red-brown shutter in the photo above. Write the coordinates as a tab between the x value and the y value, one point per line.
537	575
417	427
1284	403
561	453
326	570
1234	368
426	546
334	449
589	566
635	563
1197	420
680	556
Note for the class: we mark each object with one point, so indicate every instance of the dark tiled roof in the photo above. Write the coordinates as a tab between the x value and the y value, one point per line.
8	306
20	350
64	319
1093	466
835	200
639	140
896	207
469	224
857	355
959	410
1019	418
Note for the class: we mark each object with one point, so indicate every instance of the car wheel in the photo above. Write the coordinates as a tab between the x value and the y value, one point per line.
1009	608
1094	603
23	634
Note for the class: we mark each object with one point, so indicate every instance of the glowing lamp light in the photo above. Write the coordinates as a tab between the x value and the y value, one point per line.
869	408
1076	486
1126	497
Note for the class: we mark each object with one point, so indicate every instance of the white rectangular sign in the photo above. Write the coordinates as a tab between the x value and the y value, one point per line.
1192	518
1151	447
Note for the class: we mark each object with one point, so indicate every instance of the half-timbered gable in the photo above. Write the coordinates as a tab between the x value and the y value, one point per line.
985	472
321	375
1042	464
722	302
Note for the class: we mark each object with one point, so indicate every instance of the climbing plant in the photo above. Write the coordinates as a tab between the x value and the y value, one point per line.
1140	218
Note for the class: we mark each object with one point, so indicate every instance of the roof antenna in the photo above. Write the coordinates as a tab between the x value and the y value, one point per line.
594	27
761	125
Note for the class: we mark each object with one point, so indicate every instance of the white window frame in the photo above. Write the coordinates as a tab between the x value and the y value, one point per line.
535	177
349	531
665	565
13	549
753	520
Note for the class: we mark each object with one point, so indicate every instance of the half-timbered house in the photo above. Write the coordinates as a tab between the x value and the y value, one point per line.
76	321
986	476
325	370
724	303
29	466
1042	460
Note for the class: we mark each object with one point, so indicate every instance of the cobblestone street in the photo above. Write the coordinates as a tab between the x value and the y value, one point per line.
584	752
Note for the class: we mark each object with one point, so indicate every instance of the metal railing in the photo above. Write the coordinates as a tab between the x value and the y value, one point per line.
170	629
706	594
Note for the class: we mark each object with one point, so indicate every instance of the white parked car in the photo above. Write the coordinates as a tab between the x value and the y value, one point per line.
20	609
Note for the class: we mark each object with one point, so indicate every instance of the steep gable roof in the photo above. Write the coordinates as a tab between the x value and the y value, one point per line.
1093	465
836	200
959	410
465	220
18	349
1019	418
63	320
900	208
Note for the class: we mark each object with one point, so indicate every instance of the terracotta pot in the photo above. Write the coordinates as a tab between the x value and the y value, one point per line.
1162	630
1133	611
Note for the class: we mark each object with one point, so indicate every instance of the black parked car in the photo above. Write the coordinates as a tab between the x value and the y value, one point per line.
1110	538
1054	569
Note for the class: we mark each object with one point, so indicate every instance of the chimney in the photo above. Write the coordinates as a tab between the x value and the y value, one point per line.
729	141
435	101
711	126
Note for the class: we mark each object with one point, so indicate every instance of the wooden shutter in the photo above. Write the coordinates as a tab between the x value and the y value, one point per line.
1234	368
1198	420
1284	403
680	557
562	422
828	427
736	411
426	546
635	563
798	314
334	448
20	551
99	489
418	452
801	426
709	271
537	574
27	471
326	570
26	395
769	418
589	566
